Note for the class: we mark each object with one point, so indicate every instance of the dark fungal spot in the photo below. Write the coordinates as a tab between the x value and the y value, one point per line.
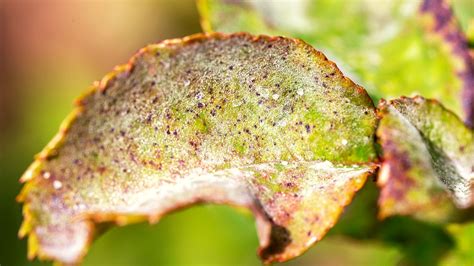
200	105
148	118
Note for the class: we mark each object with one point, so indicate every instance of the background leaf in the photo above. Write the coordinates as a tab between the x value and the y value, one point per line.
428	156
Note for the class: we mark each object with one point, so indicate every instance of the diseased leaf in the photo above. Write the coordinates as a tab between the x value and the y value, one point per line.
265	123
393	49
462	254
428	156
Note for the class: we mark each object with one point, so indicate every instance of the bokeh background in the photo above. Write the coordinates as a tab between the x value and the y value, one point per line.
51	50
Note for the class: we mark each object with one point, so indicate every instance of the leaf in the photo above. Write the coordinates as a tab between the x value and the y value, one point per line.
446	27
266	123
462	254
393	49
428	156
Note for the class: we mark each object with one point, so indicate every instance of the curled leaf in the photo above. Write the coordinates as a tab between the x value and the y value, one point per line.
261	122
428	156
393	49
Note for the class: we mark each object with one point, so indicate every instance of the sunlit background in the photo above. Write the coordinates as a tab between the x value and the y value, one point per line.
50	51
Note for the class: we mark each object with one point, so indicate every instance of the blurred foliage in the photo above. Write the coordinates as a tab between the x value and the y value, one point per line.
463	253
464	11
50	51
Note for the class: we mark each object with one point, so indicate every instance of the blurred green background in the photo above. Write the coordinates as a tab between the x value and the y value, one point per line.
51	50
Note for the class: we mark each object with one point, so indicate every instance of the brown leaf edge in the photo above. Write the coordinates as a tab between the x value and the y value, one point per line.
443	24
266	230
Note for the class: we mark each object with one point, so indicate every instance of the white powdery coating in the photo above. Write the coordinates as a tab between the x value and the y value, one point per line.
57	184
70	239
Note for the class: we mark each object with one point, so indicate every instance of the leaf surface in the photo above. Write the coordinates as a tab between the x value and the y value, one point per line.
393	49
265	123
428	157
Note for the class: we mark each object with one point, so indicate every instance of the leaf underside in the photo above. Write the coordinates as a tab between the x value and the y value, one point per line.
428	157
265	123
381	46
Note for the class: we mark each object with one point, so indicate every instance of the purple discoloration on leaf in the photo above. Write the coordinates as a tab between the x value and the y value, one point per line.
445	25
